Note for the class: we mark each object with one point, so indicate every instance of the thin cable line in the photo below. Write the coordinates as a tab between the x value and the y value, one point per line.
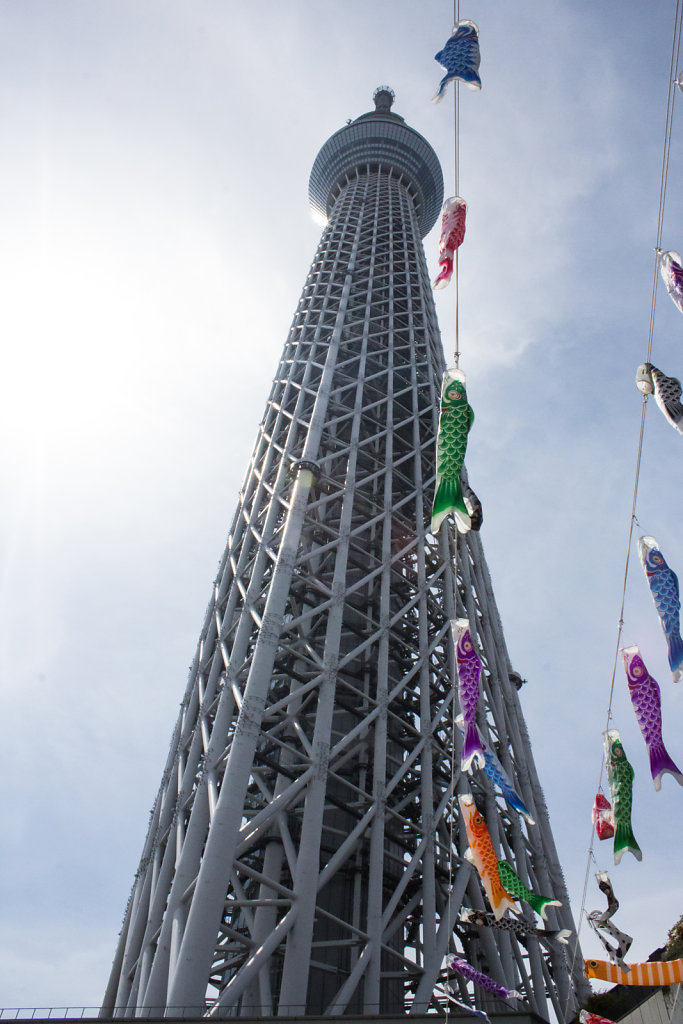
451	835
456	104
456	136
456	354
620	626
456	142
456	357
452	784
675	56
675	52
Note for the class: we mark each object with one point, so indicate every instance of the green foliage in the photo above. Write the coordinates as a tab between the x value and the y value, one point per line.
615	1003
674	947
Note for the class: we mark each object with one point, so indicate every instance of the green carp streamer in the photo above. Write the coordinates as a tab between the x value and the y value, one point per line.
620	777
455	421
516	887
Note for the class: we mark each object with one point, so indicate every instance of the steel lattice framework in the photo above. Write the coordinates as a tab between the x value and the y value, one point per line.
305	850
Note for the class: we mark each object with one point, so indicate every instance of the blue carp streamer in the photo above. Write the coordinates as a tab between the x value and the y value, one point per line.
663	583
460	57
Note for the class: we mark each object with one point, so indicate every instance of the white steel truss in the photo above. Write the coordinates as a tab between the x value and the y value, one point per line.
304	854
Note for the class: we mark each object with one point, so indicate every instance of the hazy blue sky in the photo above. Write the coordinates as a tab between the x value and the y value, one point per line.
155	237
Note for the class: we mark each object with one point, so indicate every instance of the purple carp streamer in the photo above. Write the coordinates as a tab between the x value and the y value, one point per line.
671	269
647	704
460	57
469	672
620	777
663	583
483	980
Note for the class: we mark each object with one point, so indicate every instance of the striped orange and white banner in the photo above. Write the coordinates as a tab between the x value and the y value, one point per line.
653	972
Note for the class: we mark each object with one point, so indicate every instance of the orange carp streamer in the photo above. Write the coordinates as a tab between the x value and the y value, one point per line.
483	856
652	972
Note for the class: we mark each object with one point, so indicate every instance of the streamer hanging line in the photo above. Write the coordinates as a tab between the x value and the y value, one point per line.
458	238
456	167
460	57
673	82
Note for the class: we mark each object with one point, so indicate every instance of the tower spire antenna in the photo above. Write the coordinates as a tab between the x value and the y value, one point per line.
304	855
384	98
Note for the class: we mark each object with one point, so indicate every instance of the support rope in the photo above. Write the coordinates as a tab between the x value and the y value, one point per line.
456	137
452	782
675	54
456	360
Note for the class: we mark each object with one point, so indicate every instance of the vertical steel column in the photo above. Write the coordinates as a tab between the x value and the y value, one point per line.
188	985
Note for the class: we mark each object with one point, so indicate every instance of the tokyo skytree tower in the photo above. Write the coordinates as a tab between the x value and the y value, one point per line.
305	854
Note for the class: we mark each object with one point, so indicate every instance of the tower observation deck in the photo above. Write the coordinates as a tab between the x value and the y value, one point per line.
305	853
379	140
